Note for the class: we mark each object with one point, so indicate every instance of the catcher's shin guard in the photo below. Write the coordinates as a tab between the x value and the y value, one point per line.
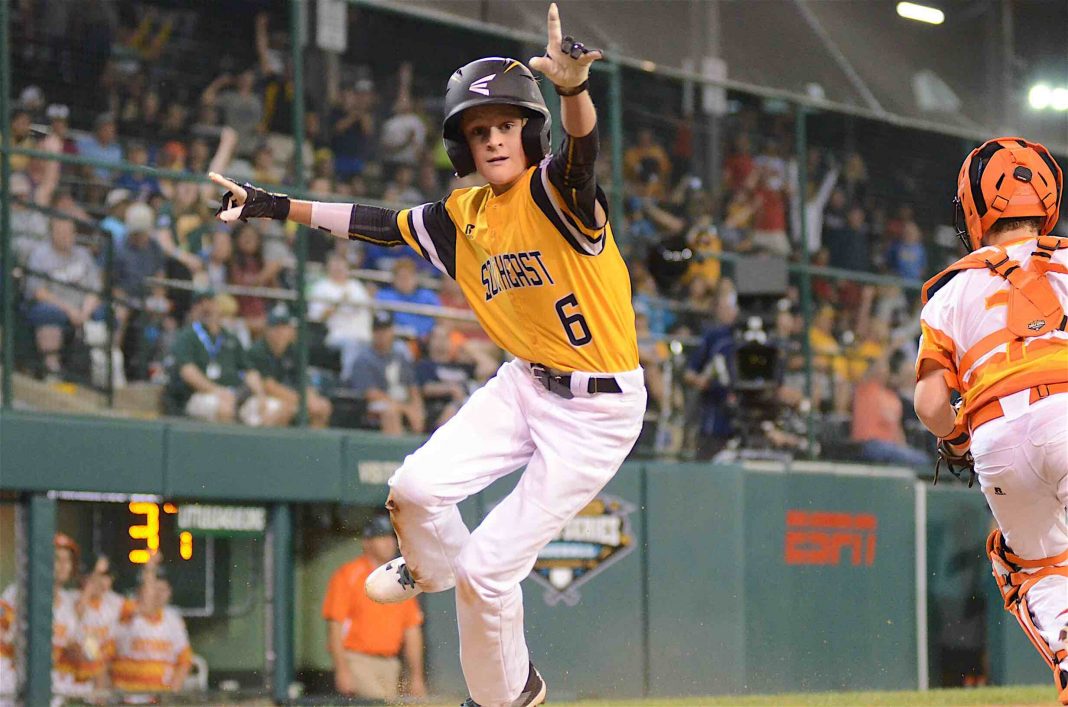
1016	576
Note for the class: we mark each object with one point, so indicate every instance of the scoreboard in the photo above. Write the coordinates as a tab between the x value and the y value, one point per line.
201	546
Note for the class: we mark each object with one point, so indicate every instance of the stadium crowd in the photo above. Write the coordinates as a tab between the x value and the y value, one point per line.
202	310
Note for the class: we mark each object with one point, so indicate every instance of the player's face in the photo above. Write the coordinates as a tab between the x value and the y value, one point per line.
495	136
63	565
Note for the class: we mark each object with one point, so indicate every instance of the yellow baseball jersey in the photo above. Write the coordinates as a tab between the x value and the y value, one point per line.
544	286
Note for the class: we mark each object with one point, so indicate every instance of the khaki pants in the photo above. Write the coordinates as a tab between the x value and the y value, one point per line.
376	677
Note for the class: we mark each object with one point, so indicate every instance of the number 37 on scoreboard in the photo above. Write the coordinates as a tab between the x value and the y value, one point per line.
145	526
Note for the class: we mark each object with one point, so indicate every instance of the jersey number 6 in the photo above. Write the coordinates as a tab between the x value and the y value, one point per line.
578	333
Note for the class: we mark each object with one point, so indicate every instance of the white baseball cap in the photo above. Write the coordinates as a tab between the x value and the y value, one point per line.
139	217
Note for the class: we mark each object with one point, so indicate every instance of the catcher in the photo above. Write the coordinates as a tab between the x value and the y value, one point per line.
994	330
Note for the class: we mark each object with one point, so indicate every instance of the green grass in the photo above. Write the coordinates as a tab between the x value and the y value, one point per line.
978	697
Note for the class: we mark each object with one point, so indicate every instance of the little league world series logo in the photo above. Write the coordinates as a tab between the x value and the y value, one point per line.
591	541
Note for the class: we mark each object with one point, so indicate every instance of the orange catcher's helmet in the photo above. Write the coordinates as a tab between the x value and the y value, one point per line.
1007	177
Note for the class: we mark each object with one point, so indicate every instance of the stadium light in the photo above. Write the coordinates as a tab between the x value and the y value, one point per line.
1045	97
921	13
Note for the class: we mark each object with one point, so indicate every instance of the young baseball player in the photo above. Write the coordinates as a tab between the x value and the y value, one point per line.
994	330
534	255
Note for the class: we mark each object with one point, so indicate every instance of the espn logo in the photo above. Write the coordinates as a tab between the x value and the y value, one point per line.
819	538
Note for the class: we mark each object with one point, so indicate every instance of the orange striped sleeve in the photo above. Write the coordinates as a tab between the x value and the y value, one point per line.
936	346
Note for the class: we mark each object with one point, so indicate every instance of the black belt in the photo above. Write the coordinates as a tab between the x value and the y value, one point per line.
561	383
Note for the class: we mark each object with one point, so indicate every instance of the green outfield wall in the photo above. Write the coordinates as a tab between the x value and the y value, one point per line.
698	579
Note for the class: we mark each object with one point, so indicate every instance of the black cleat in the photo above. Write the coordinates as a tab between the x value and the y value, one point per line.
533	692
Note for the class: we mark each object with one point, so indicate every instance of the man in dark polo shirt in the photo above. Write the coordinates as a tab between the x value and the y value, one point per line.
387	381
444	381
209	375
275	358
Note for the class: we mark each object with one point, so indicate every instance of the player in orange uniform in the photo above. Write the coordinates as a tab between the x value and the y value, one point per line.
101	611
534	256
152	652
365	639
995	330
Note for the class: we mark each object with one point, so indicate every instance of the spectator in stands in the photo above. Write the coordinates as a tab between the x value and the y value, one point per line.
173	127
275	357
403	135
704	241
217	260
386	380
711	371
29	227
114	223
769	227
815	202
275	82
427	182
444	380
353	125
279	254
830	368
653	356
401	189
907	257
239	106
62	292
21	137
152	651
58	138
341	303
141	186
103	146
877	420
264	168
406	289
209	375
739	164
138	257
248	268
647	163
366	639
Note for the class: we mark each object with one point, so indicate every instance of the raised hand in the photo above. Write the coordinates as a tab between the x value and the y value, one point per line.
242	202
566	62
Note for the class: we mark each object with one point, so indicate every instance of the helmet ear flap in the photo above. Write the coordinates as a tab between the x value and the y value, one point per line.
536	137
463	162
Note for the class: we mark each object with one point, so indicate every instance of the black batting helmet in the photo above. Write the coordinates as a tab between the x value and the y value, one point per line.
490	81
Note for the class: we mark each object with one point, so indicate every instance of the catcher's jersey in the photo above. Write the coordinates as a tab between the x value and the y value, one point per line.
973	306
544	286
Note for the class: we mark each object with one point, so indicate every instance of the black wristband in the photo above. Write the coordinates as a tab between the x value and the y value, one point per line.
958	440
574	90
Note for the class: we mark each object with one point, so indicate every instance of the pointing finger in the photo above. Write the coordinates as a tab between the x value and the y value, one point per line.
555	35
239	192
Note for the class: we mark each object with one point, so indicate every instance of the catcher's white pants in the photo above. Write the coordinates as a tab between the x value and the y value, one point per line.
571	449
1022	463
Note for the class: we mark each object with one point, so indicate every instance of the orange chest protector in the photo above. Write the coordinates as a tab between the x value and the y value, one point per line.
1033	307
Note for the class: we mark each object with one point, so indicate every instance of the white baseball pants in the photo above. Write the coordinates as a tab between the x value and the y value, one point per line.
571	449
1022	463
